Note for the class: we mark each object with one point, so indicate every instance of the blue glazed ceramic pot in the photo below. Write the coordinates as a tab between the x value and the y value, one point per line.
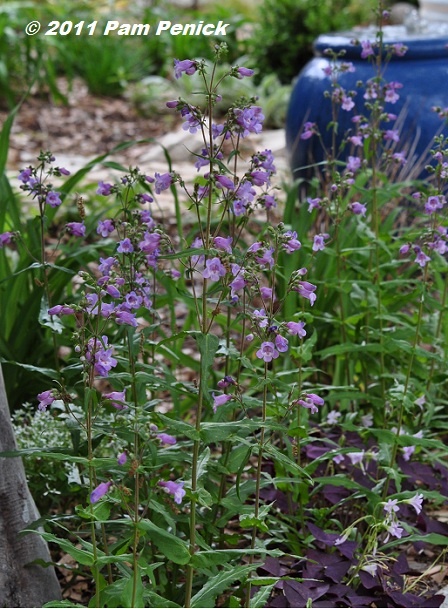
423	71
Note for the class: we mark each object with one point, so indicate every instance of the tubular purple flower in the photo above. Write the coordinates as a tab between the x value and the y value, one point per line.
223	181
61	310
99	491
214	269
53	199
186	65
122	458
307	290
77	229
391	506
46	398
296	328
281	343
245	72
104	189
357	208
105	227
175	489
223	243
267	351
416	501
125	318
220	400
162	182
6	238
125	246
117	399
166	439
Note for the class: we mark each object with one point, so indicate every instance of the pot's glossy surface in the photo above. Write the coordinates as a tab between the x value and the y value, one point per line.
423	71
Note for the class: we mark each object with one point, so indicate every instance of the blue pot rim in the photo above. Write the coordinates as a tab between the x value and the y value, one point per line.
420	46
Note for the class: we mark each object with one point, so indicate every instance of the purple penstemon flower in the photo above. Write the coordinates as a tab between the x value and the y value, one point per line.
307	289
53	199
357	208
125	246
244	72
309	129
175	489
249	119
296	328
46	398
104	189
311	401
319	242
61	310
421	258
122	458
186	66
99	491
223	181
6	238
220	400
162	182
117	399
165	438
223	243
214	269
105	227
125	318
77	229
267	352
281	343
150	242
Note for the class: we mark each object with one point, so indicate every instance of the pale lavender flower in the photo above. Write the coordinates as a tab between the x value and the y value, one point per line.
306	289
245	72
162	182
220	400
46	398
281	343
175	489
104	189
214	269
186	66
99	491
394	529
6	238
311	401
223	243
416	501
223	181
421	258
296	328
122	458
125	246
333	417
391	506
150	242
408	451
267	352
309	129
105	227
314	203
319	242
61	310
117	399
165	438
357	208
53	199
77	229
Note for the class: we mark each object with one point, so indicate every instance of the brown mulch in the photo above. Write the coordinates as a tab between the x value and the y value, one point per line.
87	127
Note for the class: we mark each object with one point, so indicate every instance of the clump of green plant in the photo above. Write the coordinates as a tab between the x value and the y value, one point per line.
271	384
286	29
53	484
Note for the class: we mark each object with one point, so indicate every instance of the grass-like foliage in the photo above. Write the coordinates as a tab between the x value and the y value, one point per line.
255	401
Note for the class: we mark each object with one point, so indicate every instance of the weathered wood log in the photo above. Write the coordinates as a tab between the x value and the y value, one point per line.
21	583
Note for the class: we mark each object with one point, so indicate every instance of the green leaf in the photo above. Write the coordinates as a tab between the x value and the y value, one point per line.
179	427
132	595
172	547
433	538
62	604
208	345
81	556
260	599
220	582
